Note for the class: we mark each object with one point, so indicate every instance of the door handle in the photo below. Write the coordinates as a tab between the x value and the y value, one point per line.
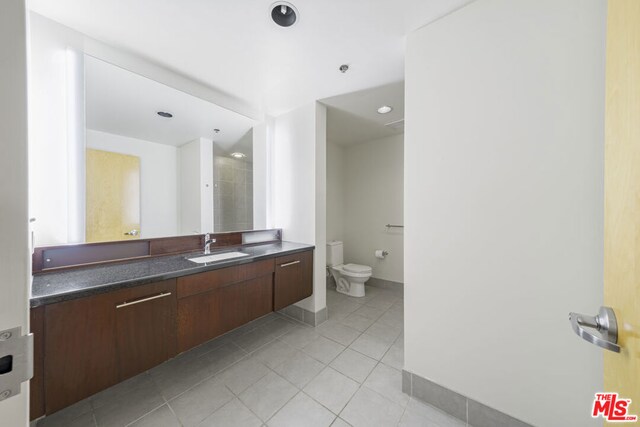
133	232
604	322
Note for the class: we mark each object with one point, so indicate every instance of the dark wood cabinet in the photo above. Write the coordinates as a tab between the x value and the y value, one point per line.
89	342
293	279
213	303
85	345
145	328
80	351
36	387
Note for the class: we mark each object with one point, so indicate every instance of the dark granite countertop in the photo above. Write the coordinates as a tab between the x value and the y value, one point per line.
48	288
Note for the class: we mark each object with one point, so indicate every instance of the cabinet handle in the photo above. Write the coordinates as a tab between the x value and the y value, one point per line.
126	304
290	263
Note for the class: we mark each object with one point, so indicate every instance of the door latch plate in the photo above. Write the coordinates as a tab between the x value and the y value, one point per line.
16	357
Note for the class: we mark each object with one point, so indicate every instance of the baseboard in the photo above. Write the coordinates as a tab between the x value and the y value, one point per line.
465	409
305	316
385	284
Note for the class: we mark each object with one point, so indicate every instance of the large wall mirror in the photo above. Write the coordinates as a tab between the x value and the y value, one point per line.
145	160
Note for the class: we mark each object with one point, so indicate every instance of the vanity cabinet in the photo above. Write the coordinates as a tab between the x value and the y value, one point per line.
213	303
91	344
293	279
85	345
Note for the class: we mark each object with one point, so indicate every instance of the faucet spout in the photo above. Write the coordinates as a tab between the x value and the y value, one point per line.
207	243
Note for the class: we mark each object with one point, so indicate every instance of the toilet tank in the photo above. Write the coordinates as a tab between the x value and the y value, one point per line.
334	253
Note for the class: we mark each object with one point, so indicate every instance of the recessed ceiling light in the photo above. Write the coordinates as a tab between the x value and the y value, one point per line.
385	109
165	114
238	155
284	13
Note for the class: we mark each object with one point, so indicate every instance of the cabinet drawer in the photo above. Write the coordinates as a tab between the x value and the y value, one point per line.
83	353
211	280
293	279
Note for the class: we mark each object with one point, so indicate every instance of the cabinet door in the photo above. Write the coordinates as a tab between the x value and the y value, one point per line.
79	349
196	319
244	302
293	279
36	385
90	345
145	328
207	315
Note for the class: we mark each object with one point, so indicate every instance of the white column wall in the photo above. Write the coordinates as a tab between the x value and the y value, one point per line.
299	187
504	204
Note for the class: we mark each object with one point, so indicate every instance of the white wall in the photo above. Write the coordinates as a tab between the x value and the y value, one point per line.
158	180
335	191
299	187
195	171
504	204
15	259
49	124
373	198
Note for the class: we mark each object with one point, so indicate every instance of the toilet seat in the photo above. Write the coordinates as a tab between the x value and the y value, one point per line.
357	268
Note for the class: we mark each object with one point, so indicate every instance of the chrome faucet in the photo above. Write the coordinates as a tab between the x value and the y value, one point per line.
207	243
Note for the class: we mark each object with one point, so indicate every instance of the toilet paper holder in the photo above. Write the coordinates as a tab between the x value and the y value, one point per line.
381	253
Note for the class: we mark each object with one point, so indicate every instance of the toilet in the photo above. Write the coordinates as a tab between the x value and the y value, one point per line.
350	278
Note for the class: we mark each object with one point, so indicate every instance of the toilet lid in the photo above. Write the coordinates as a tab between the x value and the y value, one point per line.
357	268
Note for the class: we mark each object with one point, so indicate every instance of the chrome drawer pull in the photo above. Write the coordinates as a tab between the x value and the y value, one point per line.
126	304
290	263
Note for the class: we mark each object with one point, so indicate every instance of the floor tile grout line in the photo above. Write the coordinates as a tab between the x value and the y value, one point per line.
147	413
261	420
246	406
245	356
282	407
174	414
368	375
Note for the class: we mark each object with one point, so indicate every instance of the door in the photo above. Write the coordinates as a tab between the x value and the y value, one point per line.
622	197
15	263
145	327
113	196
293	279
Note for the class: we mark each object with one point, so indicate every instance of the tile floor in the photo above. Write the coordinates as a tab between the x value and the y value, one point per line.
276	372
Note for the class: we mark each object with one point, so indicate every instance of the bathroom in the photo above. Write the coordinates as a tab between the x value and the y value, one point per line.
288	213
365	187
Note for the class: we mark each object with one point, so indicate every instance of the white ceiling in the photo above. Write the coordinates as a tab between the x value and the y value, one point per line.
353	118
121	102
234	46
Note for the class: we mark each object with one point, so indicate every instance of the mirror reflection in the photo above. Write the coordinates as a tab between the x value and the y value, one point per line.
158	162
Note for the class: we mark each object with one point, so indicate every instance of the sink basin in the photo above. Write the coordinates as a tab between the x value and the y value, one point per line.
217	257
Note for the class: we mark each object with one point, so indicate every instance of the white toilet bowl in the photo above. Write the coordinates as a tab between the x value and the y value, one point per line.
350	278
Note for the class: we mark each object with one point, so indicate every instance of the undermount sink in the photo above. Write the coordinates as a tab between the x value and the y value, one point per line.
217	257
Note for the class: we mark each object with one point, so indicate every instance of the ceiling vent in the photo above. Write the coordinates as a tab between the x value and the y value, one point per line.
397	125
